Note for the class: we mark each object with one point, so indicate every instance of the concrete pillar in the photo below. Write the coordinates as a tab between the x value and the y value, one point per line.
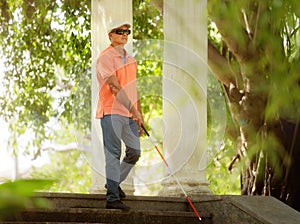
184	94
103	11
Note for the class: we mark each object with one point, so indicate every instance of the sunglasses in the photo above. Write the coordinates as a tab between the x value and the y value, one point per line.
121	31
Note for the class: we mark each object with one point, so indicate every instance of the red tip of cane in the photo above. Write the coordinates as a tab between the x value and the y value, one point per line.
193	207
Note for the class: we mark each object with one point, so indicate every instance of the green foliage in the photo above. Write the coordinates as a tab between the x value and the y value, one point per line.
147	21
148	52
258	47
46	48
220	149
263	38
223	181
148	27
71	170
15	196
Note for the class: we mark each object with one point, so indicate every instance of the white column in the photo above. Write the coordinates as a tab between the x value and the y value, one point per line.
184	94
103	11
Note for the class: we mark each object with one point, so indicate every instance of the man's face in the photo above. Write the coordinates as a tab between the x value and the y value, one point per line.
117	37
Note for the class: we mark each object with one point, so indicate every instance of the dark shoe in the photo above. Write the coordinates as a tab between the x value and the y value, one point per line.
117	205
121	192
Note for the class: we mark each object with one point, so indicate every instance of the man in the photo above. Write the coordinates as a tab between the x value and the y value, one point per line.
118	109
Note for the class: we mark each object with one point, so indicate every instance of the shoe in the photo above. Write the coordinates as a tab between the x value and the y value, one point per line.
117	205
121	192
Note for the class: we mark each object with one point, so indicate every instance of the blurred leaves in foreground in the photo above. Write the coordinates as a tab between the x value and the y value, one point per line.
18	195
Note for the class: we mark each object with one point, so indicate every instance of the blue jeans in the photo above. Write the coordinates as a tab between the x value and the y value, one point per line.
116	128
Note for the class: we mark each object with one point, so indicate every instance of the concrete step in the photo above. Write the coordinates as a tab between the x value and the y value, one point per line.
63	200
88	215
90	208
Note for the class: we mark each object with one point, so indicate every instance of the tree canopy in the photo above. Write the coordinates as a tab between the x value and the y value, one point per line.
47	58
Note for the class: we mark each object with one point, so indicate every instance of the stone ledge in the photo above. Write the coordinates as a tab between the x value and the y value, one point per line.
90	208
105	216
266	208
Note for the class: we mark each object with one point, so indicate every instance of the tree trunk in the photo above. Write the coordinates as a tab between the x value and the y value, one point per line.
270	149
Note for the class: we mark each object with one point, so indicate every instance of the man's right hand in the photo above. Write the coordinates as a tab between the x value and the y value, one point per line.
137	117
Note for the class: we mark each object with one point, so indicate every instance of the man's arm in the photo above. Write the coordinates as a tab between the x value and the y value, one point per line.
122	97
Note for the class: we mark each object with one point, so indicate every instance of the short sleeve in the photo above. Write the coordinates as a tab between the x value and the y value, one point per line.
105	65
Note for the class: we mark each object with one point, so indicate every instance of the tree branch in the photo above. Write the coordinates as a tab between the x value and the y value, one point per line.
224	71
159	4
220	67
233	29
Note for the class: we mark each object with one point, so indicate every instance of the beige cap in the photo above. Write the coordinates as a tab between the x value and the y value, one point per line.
116	24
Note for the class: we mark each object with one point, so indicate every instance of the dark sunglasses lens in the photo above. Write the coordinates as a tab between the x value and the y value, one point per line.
121	32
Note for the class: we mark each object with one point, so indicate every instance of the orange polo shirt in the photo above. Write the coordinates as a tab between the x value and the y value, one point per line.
110	62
